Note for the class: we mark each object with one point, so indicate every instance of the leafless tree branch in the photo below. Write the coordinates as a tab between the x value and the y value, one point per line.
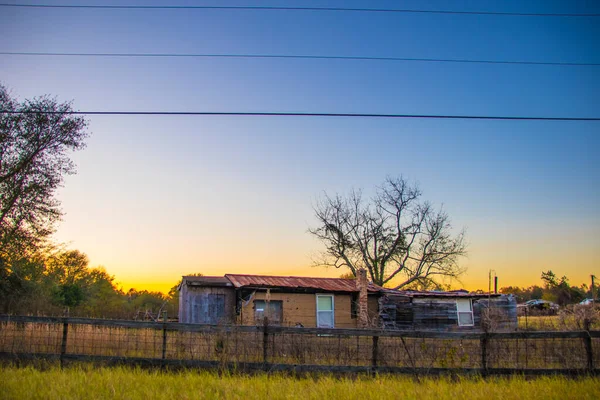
394	235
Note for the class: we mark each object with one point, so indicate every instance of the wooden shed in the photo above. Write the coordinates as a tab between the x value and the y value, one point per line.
206	300
447	311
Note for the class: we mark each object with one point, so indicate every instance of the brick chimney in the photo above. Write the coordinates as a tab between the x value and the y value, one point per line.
362	284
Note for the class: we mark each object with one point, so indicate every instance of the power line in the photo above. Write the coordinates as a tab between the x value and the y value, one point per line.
301	114
300	56
276	8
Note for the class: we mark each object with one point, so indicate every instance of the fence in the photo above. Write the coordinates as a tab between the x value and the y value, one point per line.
272	348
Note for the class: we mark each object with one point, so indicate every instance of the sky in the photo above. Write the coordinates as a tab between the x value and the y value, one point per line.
157	197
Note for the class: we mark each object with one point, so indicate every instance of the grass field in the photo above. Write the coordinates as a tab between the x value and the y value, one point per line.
125	383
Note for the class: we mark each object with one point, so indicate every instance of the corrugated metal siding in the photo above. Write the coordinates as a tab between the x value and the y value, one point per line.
398	311
434	313
296	282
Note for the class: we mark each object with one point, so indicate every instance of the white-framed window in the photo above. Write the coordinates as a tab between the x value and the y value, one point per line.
325	311
464	308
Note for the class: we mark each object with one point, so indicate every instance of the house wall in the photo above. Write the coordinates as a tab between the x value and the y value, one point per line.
206	305
302	308
430	313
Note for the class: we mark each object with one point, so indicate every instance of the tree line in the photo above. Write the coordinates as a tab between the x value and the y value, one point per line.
554	289
61	282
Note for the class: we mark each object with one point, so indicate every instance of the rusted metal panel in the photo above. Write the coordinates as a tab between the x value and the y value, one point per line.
297	282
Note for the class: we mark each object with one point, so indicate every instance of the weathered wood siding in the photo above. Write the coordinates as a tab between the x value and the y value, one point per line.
301	308
432	313
206	305
396	312
502	313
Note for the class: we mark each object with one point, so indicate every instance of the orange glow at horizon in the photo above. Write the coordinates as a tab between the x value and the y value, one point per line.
520	273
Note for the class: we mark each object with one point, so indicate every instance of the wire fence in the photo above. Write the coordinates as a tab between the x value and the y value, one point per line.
273	348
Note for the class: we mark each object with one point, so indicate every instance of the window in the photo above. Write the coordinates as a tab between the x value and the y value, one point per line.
325	315
274	313
465	312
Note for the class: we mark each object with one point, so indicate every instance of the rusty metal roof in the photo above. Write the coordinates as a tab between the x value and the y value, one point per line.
298	282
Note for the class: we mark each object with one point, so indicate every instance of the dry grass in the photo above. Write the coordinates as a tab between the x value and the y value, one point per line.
123	383
570	318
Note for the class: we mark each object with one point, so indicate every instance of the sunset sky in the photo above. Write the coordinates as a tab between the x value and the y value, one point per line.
157	197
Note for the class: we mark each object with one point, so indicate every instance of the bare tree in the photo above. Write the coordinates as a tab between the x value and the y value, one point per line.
393	236
35	139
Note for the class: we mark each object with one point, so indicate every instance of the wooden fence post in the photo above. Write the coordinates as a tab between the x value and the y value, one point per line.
164	341
587	342
265	340
63	346
375	352
484	345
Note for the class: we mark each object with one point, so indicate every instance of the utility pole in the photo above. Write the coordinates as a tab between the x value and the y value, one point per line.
490	282
593	297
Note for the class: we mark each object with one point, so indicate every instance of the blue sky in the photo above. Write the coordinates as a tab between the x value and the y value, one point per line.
158	197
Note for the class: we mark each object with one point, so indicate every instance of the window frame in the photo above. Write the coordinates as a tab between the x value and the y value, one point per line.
459	312
332	309
276	323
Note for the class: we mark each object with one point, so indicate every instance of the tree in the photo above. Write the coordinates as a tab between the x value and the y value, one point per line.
35	139
68	295
394	235
68	270
68	267
559	290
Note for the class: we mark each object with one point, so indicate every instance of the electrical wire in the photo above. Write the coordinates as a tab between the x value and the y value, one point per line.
301	114
300	56
299	8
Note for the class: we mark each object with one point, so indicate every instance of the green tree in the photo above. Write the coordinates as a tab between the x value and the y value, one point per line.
103	299
68	267
68	295
559	290
68	270
36	137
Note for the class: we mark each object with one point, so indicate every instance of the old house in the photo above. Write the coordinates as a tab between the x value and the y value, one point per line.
447	311
286	301
338	303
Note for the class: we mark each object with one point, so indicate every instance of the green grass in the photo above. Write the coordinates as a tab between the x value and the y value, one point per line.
125	383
